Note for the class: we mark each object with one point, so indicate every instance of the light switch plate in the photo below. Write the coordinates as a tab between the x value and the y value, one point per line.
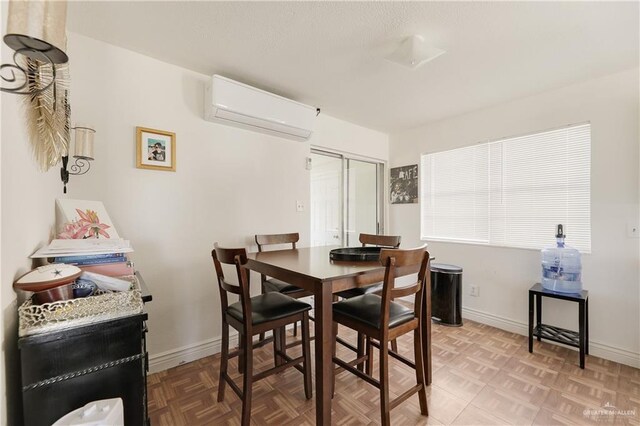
633	230
299	206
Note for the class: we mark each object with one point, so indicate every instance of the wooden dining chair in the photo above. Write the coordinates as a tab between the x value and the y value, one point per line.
271	284
380	319
251	316
390	241
387	241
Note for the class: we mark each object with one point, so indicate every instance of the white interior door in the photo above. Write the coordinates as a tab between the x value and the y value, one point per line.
326	200
346	199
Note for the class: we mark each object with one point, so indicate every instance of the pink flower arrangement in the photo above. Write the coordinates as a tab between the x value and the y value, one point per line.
88	226
72	231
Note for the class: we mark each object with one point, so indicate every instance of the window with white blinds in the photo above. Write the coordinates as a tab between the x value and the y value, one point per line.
512	192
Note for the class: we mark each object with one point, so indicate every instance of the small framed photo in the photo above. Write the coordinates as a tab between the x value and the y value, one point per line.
155	149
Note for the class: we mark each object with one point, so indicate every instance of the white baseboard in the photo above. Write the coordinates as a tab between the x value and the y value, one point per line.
172	358
175	357
601	350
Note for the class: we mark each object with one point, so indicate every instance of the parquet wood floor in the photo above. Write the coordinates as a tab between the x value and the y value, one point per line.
481	376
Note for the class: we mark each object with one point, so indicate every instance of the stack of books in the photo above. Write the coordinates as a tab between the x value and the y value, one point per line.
100	256
110	264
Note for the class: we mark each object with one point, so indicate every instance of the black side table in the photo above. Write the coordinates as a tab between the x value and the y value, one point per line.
579	339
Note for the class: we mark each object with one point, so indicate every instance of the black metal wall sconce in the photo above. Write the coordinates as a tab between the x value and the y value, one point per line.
82	155
36	30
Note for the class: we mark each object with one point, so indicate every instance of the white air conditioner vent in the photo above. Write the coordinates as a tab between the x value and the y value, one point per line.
237	104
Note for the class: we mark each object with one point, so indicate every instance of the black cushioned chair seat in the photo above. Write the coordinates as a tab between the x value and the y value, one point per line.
273	284
269	307
367	309
359	291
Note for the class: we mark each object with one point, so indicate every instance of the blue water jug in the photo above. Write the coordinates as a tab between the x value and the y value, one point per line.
561	267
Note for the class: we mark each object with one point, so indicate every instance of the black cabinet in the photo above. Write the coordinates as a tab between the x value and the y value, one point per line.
64	370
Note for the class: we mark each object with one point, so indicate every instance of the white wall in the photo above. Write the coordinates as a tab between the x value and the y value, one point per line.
27	223
612	272
229	185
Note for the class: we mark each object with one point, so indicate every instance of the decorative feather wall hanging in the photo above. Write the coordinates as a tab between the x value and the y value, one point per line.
47	111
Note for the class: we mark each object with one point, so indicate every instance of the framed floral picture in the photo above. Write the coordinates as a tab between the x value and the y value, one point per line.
155	149
82	219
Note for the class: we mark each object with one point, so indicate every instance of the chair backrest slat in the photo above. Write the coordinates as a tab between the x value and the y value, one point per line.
380	240
231	288
272	239
406	290
227	255
411	259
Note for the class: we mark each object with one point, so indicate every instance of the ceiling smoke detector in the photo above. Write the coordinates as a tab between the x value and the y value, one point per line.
414	52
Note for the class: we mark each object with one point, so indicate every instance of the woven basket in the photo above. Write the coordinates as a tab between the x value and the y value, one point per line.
48	317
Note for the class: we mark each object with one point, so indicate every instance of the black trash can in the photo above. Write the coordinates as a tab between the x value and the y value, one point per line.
446	294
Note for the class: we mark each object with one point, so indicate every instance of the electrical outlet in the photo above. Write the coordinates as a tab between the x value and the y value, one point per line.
633	230
475	291
299	206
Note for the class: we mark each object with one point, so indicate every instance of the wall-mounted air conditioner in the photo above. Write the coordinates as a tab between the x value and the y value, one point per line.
237	104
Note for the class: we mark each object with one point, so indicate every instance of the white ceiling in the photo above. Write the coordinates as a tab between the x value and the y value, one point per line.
331	54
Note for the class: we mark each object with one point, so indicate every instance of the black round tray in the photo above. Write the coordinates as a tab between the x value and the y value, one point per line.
356	254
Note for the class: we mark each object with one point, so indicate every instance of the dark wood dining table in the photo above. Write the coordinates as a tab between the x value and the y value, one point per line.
311	269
